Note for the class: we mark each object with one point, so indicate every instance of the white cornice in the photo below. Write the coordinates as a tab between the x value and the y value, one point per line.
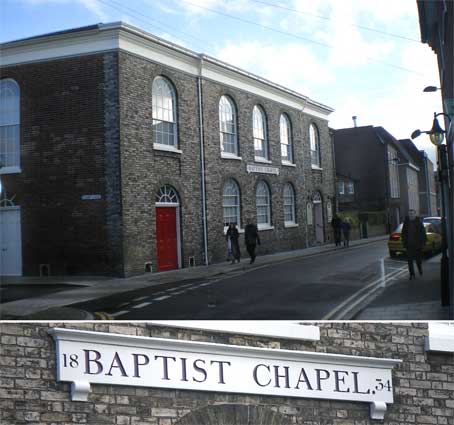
215	348
121	36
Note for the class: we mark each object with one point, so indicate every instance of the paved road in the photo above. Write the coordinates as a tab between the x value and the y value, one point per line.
307	288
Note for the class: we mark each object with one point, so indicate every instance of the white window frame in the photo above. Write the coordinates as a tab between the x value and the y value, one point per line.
159	111
350	188
290	195
341	187
260	134
263	192
10	111
285	137
231	183
314	139
226	109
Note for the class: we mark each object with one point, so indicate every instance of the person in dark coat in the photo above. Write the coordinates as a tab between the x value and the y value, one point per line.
233	236
336	225
251	239
413	238
345	226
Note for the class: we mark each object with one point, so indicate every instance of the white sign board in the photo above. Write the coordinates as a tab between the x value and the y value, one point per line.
86	358
93	197
252	168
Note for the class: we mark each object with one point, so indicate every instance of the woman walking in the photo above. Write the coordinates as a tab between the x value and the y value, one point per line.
233	236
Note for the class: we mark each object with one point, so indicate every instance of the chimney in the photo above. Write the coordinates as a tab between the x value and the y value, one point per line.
354	121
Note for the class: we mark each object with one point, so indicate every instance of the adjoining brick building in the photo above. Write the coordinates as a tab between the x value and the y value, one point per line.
420	355
127	153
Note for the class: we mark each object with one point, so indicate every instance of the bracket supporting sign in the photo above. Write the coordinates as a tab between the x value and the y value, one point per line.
85	358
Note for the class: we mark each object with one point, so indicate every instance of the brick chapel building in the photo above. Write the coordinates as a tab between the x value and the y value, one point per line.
121	152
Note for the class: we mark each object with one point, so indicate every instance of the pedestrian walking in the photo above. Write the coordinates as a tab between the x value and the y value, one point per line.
233	236
414	238
336	225
251	239
345	226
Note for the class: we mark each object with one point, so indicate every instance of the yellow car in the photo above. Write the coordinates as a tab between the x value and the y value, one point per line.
433	243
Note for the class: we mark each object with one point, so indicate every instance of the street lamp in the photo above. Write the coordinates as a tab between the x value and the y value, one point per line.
431	88
437	135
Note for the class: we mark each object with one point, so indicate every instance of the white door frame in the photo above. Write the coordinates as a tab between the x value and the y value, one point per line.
19	253
177	213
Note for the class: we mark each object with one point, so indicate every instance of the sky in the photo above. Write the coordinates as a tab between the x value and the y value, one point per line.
360	57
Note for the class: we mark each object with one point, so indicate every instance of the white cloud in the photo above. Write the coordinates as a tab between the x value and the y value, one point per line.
291	65
92	5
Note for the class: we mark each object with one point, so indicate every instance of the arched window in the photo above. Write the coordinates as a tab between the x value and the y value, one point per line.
167	195
259	132
289	204
231	203
315	145
9	126
164	113
227	124
286	139
263	203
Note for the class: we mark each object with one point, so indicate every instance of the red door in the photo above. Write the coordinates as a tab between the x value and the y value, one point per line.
166	238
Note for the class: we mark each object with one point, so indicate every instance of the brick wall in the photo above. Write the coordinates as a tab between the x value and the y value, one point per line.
29	393
62	158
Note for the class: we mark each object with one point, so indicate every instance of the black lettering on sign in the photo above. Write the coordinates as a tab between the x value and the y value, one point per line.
184	373
338	380
73	360
116	363
356	386
200	370
303	378
277	376
321	378
137	363
165	362
256	378
93	361
221	370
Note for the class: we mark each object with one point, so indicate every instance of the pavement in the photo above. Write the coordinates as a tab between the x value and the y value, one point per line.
36	304
405	299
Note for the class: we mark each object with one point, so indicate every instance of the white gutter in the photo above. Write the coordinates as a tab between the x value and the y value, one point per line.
202	161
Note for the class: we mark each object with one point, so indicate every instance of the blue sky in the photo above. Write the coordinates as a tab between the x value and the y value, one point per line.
331	50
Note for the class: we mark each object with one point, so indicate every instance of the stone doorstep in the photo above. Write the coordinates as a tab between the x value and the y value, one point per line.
100	289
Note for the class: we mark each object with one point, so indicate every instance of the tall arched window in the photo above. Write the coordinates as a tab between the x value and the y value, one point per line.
289	204
227	125
231	203
9	126
259	132
315	145
263	203
164	113
286	139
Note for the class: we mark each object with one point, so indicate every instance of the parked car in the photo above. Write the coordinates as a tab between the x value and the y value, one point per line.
433	243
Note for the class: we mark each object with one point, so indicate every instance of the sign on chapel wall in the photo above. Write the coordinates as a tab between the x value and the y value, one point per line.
85	358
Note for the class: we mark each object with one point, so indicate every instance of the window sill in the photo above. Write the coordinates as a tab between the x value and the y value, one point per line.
10	170
264	227
290	224
166	148
316	167
240	230
225	155
262	160
288	164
